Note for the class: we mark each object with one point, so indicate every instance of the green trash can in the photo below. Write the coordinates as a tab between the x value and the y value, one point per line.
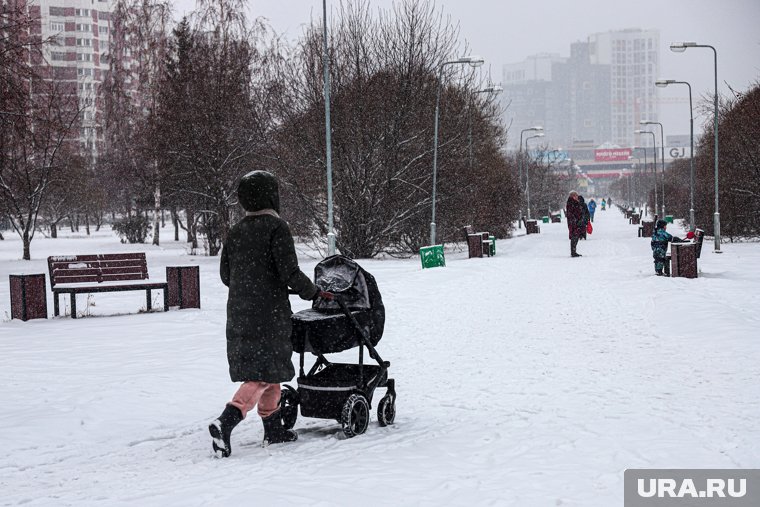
492	239
669	219
432	256
545	220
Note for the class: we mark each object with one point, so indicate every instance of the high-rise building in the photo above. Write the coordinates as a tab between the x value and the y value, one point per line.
633	56
597	95
81	29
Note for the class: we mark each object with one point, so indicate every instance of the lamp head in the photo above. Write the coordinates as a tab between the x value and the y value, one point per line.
662	83
474	61
647	122
537	127
680	47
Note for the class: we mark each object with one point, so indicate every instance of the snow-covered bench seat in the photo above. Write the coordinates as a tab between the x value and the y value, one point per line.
76	274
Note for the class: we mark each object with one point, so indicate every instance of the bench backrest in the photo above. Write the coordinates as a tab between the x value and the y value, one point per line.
97	268
468	229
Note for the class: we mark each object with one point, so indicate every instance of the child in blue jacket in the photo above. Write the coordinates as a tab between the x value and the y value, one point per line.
660	239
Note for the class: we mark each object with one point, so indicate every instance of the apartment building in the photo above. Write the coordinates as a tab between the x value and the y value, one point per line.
597	95
82	30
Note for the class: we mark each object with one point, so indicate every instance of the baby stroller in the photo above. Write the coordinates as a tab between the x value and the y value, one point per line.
355	317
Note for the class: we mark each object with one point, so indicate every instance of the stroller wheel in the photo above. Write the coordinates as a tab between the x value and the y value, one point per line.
386	410
289	406
355	415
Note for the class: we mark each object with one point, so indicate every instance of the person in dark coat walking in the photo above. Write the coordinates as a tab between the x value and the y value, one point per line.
259	264
576	224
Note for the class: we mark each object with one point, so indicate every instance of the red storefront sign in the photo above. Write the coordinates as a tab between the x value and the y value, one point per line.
612	155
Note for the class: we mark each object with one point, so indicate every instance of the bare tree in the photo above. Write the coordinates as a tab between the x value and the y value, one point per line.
384	77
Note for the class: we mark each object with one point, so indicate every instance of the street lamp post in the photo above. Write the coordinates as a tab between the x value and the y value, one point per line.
662	148
645	166
527	172
662	83
495	89
474	61
654	168
519	167
680	47
328	140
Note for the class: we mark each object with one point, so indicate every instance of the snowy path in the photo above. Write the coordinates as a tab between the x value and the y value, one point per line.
528	379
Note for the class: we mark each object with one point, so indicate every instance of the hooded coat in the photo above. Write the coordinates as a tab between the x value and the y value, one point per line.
258	264
576	223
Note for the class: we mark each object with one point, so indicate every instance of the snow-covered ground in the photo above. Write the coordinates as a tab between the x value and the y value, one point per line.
528	379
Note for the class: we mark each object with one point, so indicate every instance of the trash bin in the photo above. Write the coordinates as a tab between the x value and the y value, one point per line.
28	297
683	260
545	220
647	229
184	286
432	256
669	219
492	239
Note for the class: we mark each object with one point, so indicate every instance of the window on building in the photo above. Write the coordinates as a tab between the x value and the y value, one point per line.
82	12
84	57
84	27
84	72
57	26
103	30
57	11
84	42
57	56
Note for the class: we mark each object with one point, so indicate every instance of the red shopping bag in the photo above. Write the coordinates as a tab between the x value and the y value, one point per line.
589	228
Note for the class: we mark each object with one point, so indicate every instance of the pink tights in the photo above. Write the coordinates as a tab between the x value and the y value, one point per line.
250	393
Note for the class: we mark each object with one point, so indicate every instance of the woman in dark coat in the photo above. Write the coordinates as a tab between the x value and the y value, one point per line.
258	264
576	223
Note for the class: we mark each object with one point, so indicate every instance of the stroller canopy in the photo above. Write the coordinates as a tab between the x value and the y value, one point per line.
324	328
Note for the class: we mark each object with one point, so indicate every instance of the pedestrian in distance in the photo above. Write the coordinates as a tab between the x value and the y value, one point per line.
576	224
660	239
586	216
591	209
604	205
259	264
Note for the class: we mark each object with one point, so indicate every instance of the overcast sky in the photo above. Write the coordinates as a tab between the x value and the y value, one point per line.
506	31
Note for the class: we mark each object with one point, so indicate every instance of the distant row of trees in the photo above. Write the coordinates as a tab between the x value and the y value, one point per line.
201	103
739	171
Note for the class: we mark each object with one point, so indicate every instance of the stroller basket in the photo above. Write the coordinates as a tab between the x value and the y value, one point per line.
323	394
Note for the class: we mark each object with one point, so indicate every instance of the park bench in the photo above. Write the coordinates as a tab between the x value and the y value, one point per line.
634	219
556	218
478	243
77	274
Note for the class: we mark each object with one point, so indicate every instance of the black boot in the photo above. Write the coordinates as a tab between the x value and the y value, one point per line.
221	429
275	432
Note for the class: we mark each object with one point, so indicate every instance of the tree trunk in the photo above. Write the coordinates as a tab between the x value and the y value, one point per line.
54	230
71	223
27	255
157	214
87	223
175	223
192	236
